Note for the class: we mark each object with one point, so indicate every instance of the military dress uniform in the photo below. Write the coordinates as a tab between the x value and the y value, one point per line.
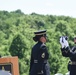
71	53
39	59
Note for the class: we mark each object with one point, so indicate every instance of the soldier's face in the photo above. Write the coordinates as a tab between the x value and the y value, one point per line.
75	41
43	39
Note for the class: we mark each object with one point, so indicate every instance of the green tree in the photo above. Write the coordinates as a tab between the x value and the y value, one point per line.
17	47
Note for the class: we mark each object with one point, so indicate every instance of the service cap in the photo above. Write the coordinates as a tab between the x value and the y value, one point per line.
40	32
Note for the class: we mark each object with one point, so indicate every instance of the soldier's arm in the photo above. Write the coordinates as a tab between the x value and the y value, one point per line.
65	51
72	54
31	62
44	53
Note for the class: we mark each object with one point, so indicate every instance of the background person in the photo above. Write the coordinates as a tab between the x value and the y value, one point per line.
69	52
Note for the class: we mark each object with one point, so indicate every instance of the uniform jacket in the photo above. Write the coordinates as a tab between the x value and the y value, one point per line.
39	56
71	53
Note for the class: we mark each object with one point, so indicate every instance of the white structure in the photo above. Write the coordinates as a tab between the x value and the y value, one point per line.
2	72
67	73
59	74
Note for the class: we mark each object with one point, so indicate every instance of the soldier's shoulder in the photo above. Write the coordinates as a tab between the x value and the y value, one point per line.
43	46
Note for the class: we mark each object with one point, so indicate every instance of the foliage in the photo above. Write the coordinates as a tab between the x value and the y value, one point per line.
16	33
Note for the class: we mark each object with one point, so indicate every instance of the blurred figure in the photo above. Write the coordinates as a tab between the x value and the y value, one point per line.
69	52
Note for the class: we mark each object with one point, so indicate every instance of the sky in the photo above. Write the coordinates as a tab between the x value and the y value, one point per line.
45	7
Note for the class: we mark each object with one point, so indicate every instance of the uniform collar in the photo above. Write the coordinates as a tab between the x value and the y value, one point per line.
39	42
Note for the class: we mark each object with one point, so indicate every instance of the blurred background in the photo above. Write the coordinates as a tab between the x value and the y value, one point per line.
20	18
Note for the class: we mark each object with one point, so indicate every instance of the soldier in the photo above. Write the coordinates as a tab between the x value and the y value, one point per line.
39	55
71	53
